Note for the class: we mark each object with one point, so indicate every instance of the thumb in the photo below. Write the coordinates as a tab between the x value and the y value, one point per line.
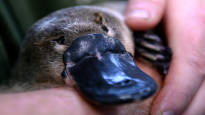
185	33
144	14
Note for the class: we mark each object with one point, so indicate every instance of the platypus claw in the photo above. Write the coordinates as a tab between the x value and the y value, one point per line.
152	48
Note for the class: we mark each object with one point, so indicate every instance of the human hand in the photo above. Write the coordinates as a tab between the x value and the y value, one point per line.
55	101
185	25
67	101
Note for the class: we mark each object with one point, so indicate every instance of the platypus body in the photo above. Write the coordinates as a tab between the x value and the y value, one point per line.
41	54
85	46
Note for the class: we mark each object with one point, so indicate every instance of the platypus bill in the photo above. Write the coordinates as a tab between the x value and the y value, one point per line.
105	72
89	45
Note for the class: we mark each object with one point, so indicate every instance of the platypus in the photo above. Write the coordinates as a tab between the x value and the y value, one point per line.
87	47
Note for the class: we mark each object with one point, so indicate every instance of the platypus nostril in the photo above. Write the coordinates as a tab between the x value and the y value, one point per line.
112	79
126	82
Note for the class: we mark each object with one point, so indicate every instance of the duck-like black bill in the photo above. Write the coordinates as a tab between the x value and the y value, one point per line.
104	71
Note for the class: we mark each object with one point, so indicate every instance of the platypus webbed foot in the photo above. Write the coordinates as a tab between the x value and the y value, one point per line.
104	72
153	48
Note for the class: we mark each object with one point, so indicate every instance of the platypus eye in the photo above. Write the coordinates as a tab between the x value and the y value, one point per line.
60	40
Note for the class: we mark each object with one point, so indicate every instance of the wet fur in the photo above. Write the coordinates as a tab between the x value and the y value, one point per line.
40	62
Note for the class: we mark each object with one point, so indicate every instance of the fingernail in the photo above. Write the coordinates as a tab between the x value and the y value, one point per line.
138	14
168	113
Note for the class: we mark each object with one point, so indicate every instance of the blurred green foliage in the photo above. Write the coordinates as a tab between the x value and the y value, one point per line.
28	11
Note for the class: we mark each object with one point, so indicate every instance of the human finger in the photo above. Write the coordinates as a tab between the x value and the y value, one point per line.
144	14
197	105
185	32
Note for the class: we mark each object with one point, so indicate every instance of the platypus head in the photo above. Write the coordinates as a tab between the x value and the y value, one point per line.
92	47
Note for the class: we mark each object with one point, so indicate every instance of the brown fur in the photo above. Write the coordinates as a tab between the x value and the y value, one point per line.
40	60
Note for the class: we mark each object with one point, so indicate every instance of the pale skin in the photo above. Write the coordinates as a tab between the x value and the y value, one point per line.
183	91
67	101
